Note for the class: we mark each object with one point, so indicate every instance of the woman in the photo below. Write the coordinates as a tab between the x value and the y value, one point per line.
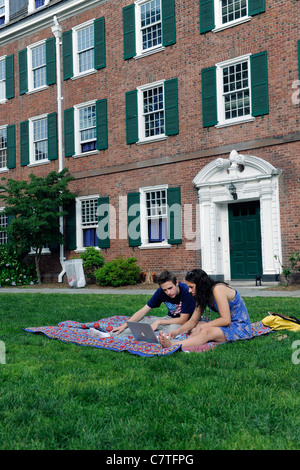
233	323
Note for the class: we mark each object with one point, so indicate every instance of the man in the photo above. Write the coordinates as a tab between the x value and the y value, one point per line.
179	302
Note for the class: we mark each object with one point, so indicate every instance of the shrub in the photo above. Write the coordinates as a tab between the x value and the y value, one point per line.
92	259
13	270
292	268
118	272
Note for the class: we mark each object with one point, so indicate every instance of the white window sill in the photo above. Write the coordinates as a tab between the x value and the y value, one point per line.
85	154
83	249
152	246
149	52
3	101
234	123
36	90
83	74
42	162
4	170
152	139
231	24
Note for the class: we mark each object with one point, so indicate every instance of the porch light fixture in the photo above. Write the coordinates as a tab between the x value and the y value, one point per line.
232	190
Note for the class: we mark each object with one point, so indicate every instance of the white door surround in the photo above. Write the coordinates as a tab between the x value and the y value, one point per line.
252	179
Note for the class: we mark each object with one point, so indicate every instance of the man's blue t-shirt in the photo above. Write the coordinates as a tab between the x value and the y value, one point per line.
183	302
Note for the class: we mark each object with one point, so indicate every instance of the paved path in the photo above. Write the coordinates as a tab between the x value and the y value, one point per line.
244	291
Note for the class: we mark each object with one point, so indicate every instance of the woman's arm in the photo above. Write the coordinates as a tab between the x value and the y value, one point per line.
189	325
220	294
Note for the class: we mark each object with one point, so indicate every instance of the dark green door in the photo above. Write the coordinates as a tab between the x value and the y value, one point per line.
245	240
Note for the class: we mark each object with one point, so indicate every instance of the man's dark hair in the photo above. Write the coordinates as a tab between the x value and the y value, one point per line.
166	276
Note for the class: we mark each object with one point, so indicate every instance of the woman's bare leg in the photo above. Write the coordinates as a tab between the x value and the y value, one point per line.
206	334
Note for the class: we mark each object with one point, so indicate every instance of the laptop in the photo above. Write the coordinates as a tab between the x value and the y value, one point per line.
142	332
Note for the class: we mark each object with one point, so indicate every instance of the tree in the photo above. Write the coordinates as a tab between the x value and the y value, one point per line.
34	208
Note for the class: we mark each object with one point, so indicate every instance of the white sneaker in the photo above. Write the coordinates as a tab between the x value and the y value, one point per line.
98	334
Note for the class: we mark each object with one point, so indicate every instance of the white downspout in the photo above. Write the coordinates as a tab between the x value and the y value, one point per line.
57	32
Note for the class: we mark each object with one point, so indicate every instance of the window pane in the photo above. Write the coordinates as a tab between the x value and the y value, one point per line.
40	139
3	224
151	24
236	90
85	38
39	66
3	148
153	108
90	237
87	128
2	80
233	10
89	212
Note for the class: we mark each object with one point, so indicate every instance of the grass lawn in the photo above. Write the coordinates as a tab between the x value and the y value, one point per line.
242	395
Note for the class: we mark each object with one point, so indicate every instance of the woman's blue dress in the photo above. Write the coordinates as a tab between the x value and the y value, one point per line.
240	326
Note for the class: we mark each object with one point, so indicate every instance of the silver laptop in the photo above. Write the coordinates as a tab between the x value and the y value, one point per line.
142	332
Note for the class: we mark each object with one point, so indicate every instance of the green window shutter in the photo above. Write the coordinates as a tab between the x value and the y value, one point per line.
24	142
134	219
207	15
11	146
209	97
67	53
23	78
101	120
50	61
70	226
10	76
174	216
259	84
131	117
69	132
99	49
103	222
129	32
168	22
171	107
52	136
255	7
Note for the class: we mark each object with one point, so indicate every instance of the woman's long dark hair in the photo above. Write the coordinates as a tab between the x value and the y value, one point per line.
204	287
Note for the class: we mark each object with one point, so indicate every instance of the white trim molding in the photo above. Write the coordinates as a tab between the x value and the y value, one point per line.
254	179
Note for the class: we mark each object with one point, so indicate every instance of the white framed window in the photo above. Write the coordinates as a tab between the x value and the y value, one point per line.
4	12
151	111
148	19
35	4
2	80
3	225
83	50
3	148
234	91
230	12
86	221
154	217
37	78
85	128
38	140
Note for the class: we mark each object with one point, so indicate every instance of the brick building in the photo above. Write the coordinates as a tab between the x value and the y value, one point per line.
179	120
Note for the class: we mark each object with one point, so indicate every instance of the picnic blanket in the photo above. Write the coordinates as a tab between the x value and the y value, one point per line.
78	333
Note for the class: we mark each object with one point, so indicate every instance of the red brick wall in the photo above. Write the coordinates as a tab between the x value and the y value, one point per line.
276	31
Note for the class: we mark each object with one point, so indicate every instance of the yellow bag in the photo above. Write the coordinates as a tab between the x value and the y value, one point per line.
277	321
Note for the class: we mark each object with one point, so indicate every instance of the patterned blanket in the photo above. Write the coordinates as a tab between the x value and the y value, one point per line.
78	333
